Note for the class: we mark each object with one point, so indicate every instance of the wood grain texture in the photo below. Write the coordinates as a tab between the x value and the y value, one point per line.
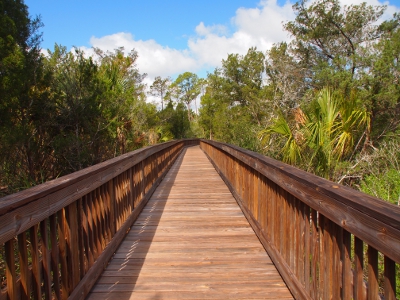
21	211
374	221
191	242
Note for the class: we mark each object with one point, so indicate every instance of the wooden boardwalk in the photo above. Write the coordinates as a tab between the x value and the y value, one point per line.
191	242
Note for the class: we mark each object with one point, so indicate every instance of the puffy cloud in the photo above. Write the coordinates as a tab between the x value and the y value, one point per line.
254	27
154	59
258	27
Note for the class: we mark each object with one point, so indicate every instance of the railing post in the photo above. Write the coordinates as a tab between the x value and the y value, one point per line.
113	219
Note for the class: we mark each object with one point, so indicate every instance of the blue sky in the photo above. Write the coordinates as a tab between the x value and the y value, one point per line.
73	22
172	36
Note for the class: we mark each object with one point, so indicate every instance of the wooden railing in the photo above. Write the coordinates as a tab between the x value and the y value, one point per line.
327	241
56	238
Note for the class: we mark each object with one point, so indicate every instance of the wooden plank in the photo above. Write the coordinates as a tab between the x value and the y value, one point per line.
93	274
374	221
204	249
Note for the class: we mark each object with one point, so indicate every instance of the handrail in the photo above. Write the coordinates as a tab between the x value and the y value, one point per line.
57	237
315	231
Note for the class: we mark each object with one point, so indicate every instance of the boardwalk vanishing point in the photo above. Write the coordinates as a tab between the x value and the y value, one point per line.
191	241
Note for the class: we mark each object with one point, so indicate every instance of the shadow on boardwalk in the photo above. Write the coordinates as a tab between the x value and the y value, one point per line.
191	242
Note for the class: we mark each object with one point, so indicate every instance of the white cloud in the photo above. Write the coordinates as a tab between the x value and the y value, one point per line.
251	27
154	59
255	27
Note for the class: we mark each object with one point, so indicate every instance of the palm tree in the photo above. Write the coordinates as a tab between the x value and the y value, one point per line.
323	136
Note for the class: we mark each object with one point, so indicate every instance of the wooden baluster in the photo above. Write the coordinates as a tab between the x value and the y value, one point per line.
307	248
347	282
373	287
322	257
358	271
45	259
91	230
293	233
337	246
142	180
72	246
315	239
300	241
262	204
102	217
36	276
390	279
85	229
10	270
107	205
96	225
81	243
54	257
268	204
274	214
63	253
287	227
131	192
24	267
282	208
111	189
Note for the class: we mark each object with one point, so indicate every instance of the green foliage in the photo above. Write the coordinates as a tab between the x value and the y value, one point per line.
385	186
328	35
234	107
321	136
159	88
186	88
291	151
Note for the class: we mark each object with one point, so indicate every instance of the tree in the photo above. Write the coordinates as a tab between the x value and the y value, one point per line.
187	89
381	81
23	138
325	133
235	105
285	77
159	88
333	40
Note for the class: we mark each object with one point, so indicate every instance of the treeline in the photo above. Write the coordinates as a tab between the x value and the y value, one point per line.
326	102
64	111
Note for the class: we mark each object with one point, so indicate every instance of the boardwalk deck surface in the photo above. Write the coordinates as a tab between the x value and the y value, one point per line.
191	242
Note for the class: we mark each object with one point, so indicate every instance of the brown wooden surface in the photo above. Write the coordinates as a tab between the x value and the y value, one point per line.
191	242
335	216
21	211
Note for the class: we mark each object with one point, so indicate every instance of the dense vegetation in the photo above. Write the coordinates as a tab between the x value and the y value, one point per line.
326	102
